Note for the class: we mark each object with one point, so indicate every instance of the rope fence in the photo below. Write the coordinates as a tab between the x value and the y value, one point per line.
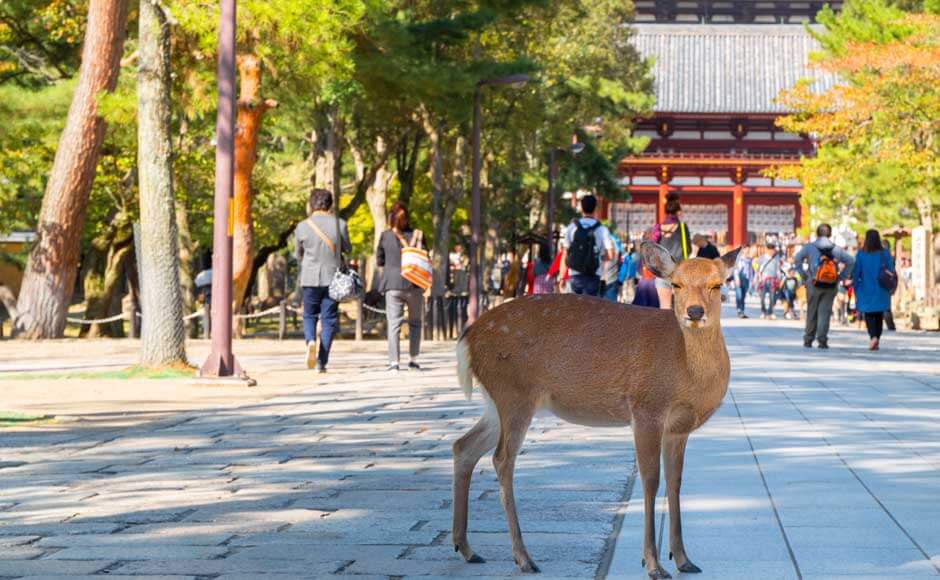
443	318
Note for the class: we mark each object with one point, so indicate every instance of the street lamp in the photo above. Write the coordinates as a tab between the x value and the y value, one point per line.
473	303
574	149
221	362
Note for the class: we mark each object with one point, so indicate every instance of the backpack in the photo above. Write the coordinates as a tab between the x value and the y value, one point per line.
827	273
582	255
677	242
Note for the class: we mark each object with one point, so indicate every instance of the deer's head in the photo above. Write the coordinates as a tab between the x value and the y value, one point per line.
696	283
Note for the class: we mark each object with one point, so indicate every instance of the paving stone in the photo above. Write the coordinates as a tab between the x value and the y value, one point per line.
138	552
52	567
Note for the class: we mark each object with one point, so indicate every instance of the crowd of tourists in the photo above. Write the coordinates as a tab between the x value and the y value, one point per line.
818	282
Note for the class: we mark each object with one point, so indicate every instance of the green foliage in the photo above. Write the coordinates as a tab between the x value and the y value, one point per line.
40	40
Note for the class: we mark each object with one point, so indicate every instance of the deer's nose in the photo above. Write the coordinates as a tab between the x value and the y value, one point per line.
695	312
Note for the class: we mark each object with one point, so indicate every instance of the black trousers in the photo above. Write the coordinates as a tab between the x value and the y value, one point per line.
874	321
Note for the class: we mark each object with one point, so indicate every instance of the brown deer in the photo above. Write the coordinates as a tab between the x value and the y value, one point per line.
598	363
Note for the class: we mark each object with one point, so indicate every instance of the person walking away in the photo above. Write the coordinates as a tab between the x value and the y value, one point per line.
459	284
823	258
399	291
541	280
791	283
610	282
768	281
627	275
316	241
705	248
673	235
874	279
585	244
743	274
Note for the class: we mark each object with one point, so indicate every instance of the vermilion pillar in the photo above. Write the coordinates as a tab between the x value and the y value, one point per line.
661	206
739	227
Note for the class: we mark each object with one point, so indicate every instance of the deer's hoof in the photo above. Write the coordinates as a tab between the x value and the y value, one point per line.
475	559
658	573
689	568
527	566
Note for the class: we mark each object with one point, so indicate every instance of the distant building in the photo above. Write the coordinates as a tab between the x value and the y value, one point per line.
719	67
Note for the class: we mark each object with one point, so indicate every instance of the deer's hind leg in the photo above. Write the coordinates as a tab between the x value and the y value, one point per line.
674	456
514	421
468	450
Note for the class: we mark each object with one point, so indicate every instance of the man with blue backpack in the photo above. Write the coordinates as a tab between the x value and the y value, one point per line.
585	245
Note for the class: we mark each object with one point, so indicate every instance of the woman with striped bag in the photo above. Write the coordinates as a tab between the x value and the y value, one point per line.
406	273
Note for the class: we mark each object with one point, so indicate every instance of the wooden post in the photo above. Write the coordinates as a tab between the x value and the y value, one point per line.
360	312
282	320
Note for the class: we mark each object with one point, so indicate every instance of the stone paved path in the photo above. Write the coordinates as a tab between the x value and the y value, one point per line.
819	464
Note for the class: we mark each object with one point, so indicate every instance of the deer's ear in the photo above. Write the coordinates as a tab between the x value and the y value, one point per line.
727	261
658	259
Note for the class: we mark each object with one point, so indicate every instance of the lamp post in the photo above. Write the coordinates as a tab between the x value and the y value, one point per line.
574	149
221	361
473	302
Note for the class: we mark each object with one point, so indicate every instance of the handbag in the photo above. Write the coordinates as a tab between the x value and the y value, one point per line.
886	278
346	284
415	261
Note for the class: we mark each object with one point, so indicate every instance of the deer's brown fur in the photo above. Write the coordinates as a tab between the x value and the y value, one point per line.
598	363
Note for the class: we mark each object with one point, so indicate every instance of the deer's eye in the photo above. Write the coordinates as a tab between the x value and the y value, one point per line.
715	287
676	286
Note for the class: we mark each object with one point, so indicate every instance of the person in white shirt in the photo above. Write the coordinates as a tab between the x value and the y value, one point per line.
586	244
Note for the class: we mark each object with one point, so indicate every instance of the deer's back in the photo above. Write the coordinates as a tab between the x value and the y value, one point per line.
582	357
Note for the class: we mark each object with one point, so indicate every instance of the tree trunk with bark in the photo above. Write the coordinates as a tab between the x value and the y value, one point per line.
104	267
447	182
163	341
251	110
327	138
53	262
187	255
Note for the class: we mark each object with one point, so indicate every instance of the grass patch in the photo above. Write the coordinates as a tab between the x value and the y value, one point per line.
135	372
12	419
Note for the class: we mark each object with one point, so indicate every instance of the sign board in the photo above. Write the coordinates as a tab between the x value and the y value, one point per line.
919	254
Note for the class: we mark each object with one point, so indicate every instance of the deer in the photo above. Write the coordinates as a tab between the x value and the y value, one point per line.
597	363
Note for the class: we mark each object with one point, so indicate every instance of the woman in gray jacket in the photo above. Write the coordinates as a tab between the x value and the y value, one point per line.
398	291
317	239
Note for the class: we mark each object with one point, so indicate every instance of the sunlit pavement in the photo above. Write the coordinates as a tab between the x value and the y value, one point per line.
820	464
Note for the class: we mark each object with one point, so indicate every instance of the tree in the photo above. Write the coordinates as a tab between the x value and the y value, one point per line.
878	128
53	262
163	341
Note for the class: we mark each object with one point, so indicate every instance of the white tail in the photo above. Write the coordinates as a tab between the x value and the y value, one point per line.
594	362
464	372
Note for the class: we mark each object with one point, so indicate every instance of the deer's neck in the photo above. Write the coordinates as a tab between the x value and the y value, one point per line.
707	358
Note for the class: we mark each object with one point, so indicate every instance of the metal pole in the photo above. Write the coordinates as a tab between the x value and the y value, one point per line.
473	306
550	203
221	362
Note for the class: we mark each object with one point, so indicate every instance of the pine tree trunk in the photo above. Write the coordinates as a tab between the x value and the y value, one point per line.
328	153
163	341
53	263
251	109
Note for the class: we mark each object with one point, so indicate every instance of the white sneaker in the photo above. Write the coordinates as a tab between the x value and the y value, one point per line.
311	354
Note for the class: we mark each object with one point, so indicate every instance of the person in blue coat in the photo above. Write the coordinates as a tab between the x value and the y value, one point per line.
871	299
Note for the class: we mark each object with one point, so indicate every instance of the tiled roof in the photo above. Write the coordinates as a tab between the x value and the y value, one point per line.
731	68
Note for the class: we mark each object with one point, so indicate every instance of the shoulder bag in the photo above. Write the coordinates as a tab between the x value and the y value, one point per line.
415	261
346	284
886	278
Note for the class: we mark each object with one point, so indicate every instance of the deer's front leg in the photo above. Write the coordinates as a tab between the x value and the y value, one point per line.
674	457
647	436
